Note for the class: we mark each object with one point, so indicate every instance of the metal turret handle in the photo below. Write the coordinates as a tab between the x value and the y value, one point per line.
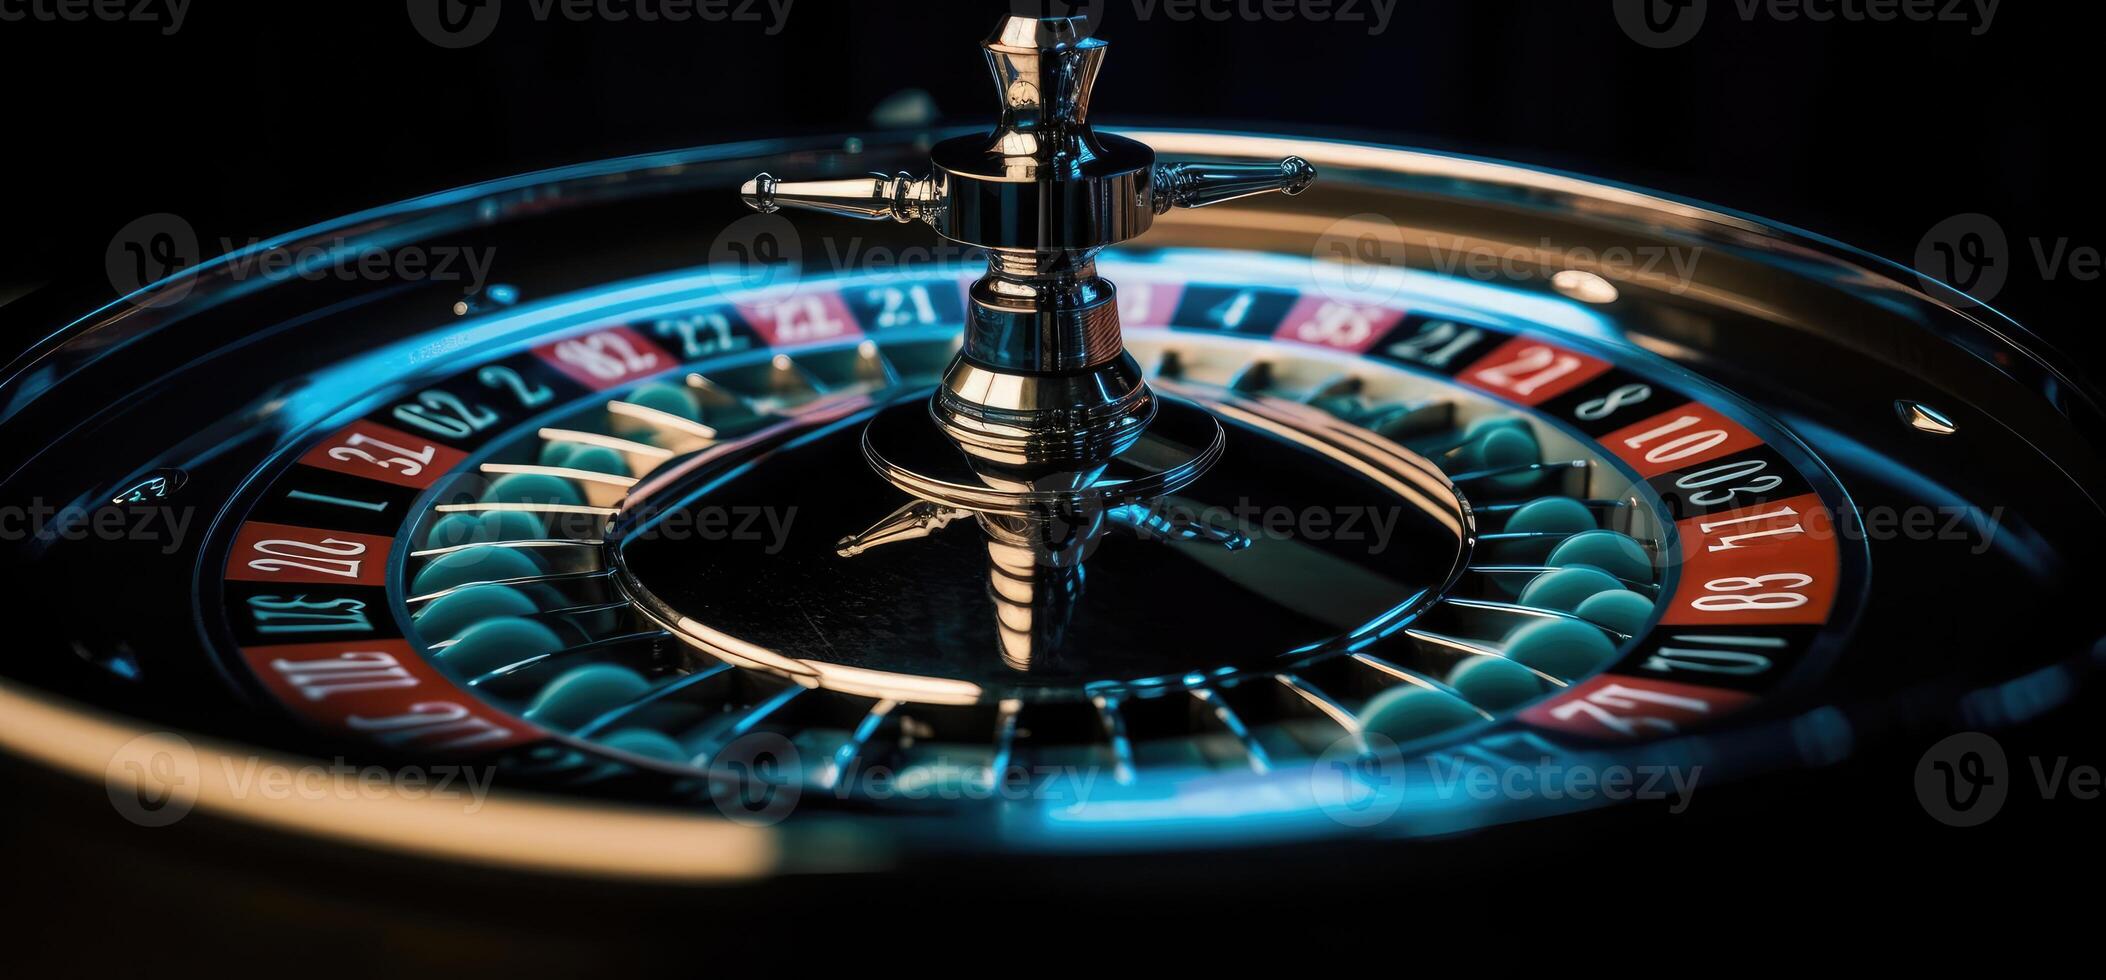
1197	185
903	197
899	197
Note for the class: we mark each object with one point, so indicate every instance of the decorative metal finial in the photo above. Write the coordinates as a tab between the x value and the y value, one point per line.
1043	371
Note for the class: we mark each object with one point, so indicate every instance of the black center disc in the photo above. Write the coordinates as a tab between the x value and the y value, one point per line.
1307	543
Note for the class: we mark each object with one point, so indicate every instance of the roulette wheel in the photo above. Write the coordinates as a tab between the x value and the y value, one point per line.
1160	492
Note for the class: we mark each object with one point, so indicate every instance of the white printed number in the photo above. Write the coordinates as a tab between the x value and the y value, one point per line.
804	319
1604	704
1736	593
607	356
1436	344
1746	469
1338	325
393	458
329	556
1681	446
1530	369
896	307
445	415
1596	409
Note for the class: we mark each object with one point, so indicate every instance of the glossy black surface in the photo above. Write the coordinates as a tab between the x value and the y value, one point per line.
1143	612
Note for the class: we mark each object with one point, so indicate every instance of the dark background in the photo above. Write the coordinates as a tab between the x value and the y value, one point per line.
253	119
